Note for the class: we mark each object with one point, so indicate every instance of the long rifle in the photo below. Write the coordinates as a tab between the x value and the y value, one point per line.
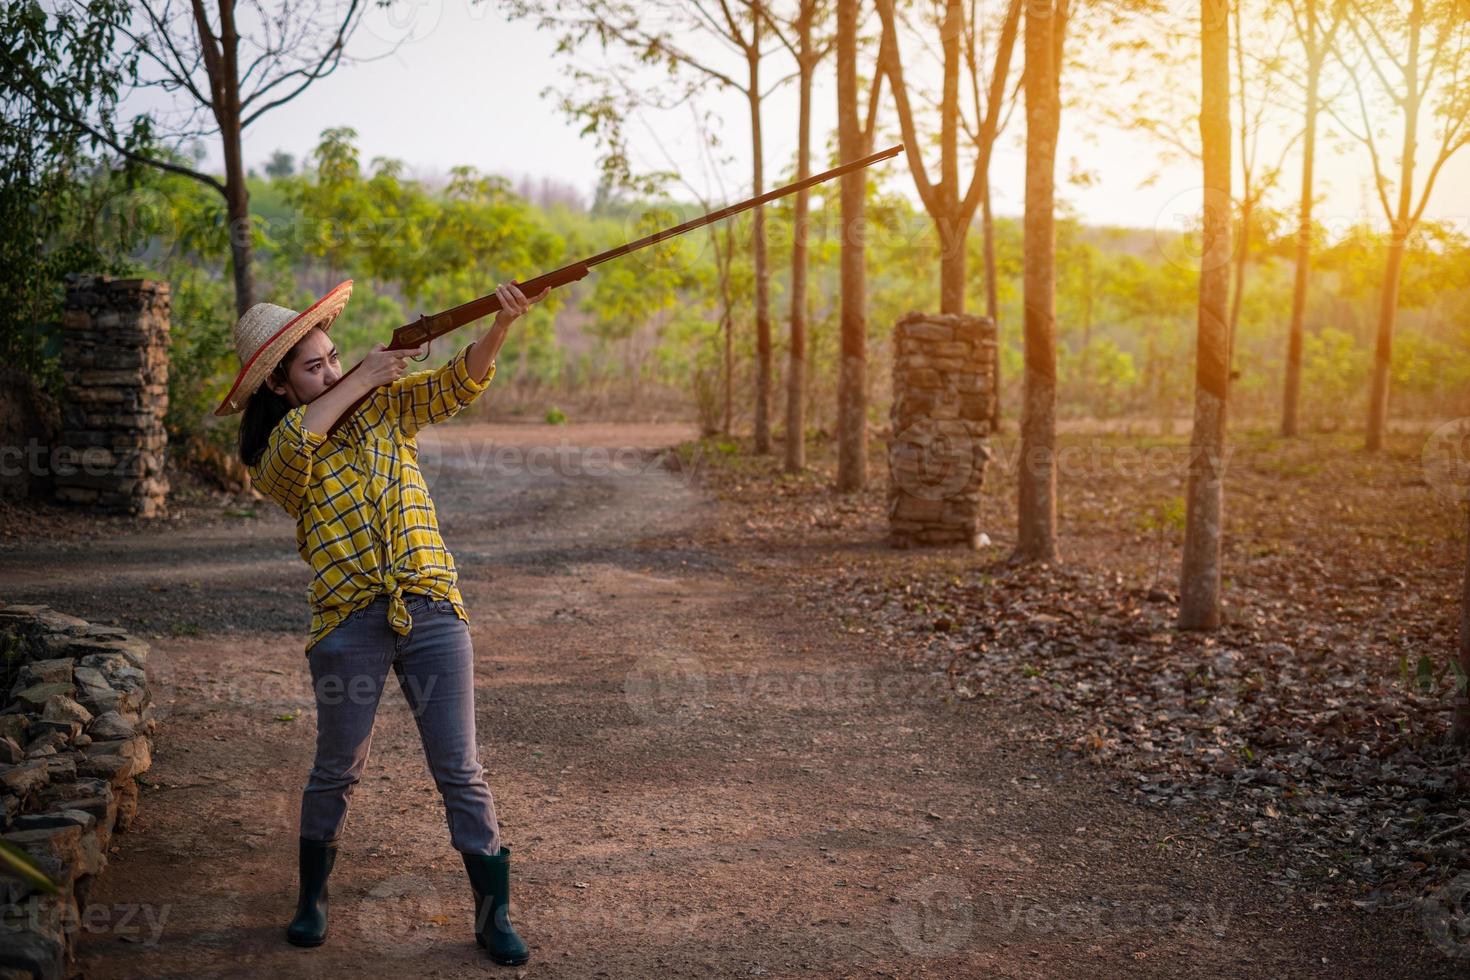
426	327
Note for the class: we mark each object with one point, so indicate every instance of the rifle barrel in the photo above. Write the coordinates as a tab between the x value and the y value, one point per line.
428	327
726	212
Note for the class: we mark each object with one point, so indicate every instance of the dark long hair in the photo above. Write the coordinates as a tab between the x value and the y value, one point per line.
265	409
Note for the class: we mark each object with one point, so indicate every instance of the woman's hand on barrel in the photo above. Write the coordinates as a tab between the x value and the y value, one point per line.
513	302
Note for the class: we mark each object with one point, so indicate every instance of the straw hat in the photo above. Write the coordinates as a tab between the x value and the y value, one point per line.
267	332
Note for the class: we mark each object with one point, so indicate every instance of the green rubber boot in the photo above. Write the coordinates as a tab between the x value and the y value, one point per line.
490	879
309	927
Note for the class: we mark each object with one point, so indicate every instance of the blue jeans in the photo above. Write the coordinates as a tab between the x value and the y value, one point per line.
435	668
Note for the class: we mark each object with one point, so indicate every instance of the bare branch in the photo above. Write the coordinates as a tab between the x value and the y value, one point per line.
60	113
1003	51
762	10
185	71
330	59
735	32
1388	86
893	65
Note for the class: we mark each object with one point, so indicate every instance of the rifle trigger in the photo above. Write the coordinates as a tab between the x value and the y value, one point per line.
430	343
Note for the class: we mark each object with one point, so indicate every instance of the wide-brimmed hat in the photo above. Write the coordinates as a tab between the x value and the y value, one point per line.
267	332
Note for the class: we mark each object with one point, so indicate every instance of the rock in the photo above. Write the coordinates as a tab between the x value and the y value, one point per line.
36	696
74	676
39	618
79	649
68	730
117	760
116	769
60	707
63	842
94	796
91	686
62	767
108	698
120	674
24	778
127	805
56	818
110	725
56	671
14	727
53	739
9	807
34	954
103	809
99	632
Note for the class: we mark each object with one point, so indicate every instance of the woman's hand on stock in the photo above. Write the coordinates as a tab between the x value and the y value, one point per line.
513	302
381	367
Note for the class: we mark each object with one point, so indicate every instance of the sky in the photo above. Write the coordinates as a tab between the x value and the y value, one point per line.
463	88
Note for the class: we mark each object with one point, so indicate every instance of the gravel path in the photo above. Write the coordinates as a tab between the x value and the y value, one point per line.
697	775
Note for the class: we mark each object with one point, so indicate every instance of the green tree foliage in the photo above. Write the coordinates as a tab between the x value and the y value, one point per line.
1126	297
54	68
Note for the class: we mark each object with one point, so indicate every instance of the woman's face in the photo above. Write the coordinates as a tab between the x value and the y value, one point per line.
313	369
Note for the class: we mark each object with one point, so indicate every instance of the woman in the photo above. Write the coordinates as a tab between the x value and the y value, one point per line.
384	588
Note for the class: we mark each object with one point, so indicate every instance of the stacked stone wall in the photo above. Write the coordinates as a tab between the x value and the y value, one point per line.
943	401
112	445
74	734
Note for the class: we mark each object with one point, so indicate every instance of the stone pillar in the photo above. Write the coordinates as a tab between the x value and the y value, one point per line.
114	357
943	389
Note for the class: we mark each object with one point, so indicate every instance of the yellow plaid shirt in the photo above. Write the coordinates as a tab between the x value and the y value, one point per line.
364	520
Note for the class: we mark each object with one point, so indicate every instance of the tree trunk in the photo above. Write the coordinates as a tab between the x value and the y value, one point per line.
1241	250
952	235
1292	397
1401	228
796	370
1036	516
1085	359
1388	305
1199	588
238	210
727	321
992	300
222	67
852	388
1460	733
762	274
952	230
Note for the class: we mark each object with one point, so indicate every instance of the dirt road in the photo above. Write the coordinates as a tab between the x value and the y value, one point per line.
698	775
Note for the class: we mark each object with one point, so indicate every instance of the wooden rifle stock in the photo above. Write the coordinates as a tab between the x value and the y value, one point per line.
426	328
